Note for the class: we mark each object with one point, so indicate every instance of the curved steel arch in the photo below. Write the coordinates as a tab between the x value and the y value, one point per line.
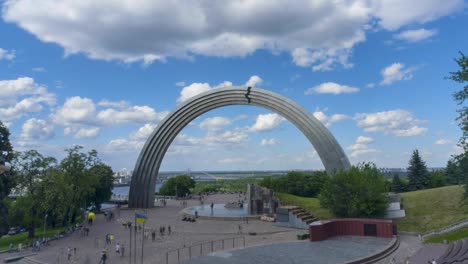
147	167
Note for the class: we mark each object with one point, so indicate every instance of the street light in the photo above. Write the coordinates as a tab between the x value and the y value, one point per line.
45	221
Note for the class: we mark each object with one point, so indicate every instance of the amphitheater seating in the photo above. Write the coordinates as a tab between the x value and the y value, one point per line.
457	252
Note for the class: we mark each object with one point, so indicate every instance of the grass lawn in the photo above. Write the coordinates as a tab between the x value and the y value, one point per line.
450	237
432	209
23	237
312	205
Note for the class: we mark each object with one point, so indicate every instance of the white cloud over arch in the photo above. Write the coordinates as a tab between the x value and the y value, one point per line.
317	34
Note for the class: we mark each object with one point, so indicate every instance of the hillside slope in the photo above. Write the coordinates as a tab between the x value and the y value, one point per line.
431	209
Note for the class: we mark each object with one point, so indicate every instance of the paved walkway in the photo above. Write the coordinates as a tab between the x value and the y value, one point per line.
331	251
186	234
183	233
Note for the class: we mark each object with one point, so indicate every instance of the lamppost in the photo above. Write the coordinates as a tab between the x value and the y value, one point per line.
43	233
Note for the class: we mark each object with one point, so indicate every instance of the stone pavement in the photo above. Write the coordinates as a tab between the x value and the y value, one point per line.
183	233
333	250
186	233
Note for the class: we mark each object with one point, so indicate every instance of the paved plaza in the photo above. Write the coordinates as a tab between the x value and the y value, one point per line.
197	237
331	251
183	234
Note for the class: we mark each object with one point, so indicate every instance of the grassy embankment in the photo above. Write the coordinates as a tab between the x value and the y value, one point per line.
426	210
450	237
23	237
432	209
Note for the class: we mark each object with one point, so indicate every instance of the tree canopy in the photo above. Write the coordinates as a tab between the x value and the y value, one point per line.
461	161
59	190
418	175
6	179
297	183
357	192
178	186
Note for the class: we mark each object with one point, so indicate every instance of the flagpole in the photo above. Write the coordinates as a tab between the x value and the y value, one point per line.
130	257
136	229
142	241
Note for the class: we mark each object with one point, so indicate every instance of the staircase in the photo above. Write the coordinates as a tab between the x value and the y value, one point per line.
457	252
305	216
294	216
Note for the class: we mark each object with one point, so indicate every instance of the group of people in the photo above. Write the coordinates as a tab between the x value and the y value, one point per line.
109	239
108	216
162	232
69	252
120	249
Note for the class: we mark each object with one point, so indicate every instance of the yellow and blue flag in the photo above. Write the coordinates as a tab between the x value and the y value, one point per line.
140	218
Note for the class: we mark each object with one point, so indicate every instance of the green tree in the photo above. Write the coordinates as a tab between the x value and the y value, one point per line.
437	178
179	186
397	184
56	196
32	167
453	173
75	167
6	179
418	176
461	76
357	192
297	183
103	189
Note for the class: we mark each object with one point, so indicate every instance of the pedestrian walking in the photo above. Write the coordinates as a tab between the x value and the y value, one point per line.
69	254
74	251
169	230
240	229
117	248
122	250
103	257
153	235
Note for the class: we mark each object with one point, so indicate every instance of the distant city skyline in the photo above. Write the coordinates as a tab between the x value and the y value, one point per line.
103	75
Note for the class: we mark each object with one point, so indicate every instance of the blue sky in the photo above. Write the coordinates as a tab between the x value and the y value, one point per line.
103	75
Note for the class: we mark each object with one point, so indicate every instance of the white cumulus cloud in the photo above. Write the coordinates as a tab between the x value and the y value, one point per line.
443	141
37	129
7	54
331	88
328	120
416	35
360	147
87	132
214	123
254	81
400	123
269	142
143	132
22	96
267	122
396	72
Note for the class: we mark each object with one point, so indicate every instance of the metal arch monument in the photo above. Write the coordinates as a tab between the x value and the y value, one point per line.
150	158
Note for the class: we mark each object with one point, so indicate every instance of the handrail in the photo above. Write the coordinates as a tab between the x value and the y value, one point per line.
211	243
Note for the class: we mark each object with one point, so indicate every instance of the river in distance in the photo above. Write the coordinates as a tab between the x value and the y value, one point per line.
124	190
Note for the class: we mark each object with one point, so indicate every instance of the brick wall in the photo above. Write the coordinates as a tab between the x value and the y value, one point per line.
321	230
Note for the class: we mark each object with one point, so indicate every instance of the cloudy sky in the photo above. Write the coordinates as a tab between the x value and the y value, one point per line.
103	74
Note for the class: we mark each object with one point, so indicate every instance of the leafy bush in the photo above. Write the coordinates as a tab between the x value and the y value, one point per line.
357	192
297	183
179	186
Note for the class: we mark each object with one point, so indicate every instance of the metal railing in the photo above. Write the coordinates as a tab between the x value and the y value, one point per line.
203	249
